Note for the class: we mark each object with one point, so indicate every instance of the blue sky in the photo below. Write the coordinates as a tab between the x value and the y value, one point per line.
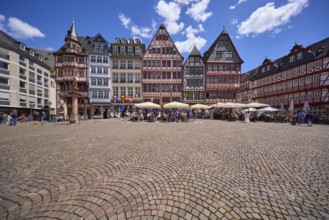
258	29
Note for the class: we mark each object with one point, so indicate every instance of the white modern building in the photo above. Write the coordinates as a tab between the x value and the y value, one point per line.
25	79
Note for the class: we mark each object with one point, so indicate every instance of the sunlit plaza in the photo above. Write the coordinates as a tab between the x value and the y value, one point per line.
205	169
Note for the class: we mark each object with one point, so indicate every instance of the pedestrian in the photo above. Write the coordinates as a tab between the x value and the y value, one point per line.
301	116
309	118
35	117
1	118
44	117
14	117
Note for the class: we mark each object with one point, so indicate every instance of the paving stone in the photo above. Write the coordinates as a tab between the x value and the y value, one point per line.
209	170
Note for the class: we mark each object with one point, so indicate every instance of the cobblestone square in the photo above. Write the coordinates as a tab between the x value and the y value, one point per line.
198	170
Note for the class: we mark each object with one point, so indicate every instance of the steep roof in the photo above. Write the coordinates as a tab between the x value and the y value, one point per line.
223	35
195	52
47	56
162	27
72	33
9	43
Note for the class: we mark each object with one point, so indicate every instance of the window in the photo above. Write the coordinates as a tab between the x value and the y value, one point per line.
122	51
105	82
105	60
123	91
99	59
130	78
309	80
292	58
94	94
138	64
96	48
115	91
93	59
101	48
115	50
122	64
130	51
99	70
93	69
115	77
115	64
22	58
106	94
210	67
22	46
138	51
130	64
122	77
22	84
137	92
32	52
130	91
229	54
299	56
137	77
100	94
22	71
4	65
99	82
106	70
93	81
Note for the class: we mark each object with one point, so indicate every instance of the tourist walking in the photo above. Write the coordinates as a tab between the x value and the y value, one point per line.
300	118
14	117
309	118
44	117
1	118
35	117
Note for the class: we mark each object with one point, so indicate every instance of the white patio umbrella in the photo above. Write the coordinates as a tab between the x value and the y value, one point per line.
249	110
306	107
268	109
229	105
256	105
291	106
175	105
282	108
148	105
200	106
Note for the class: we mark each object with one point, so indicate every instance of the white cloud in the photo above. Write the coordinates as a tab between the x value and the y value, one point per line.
191	40
19	29
197	11
234	21
50	49
125	21
137	31
239	2
171	14
270	18
184	2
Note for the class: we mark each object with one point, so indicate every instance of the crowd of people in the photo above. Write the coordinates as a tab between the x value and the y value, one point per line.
13	117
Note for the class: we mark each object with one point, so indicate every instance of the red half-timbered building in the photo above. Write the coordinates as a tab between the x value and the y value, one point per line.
302	75
162	69
71	71
223	70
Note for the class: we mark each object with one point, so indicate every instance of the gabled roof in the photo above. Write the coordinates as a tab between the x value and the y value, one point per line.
72	33
9	43
223	34
153	39
99	36
195	52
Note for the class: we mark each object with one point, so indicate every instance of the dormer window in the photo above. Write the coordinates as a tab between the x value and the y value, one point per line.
32	52
22	46
263	69
299	56
292	59
96	47
40	57
268	67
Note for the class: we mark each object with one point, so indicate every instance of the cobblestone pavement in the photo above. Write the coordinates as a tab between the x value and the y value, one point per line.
204	170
